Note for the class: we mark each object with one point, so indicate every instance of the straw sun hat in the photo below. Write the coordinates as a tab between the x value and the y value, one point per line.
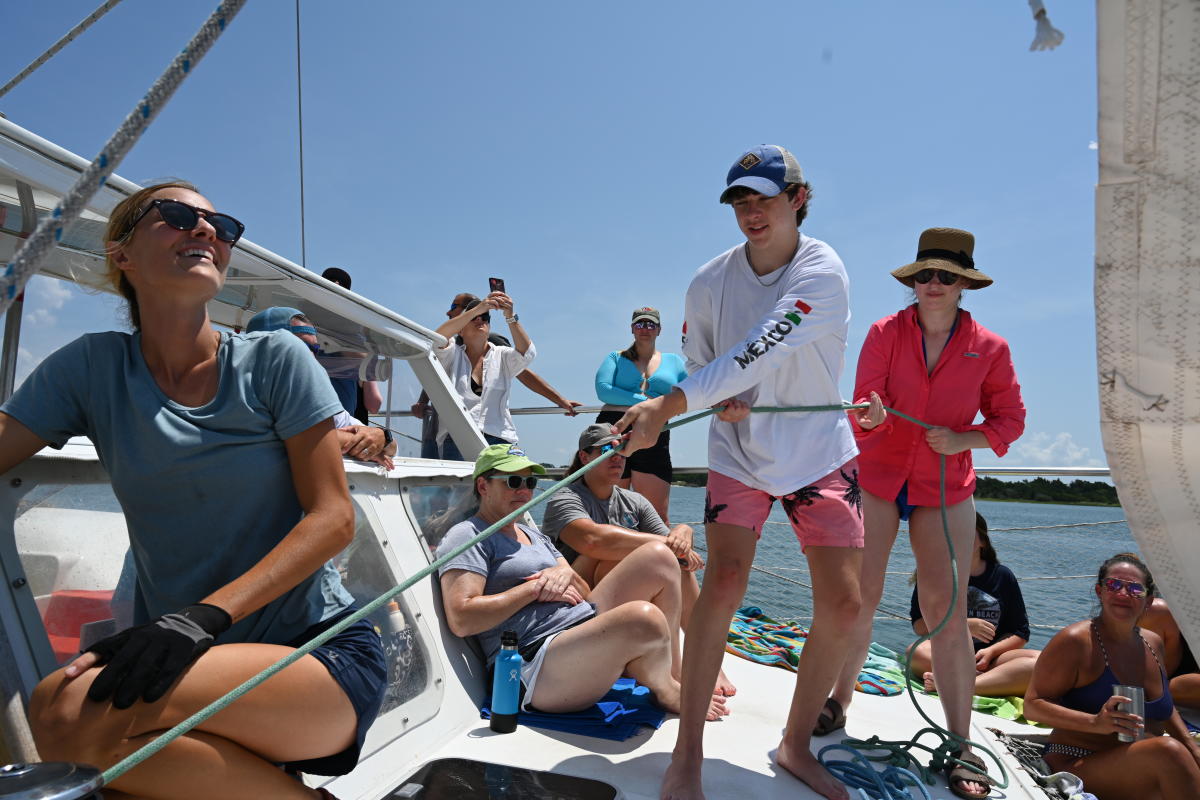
944	248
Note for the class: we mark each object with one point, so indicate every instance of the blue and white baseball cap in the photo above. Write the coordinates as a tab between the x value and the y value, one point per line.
767	169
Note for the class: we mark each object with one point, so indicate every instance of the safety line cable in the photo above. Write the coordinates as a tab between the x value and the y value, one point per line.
941	754
49	231
67	38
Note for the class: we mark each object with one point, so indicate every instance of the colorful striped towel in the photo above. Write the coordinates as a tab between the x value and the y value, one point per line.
756	637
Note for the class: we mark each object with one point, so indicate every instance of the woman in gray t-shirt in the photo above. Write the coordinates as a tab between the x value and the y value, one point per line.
222	452
515	580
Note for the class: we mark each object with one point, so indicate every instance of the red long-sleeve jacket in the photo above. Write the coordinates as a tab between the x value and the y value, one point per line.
973	375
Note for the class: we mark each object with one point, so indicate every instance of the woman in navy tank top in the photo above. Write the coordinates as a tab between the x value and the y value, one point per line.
1072	690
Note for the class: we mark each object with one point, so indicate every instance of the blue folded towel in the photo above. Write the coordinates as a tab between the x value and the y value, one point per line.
616	716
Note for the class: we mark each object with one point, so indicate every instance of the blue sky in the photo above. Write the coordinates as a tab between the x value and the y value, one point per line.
578	152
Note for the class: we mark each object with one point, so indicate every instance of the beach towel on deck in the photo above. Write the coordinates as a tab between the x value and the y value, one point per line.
616	716
1012	707
756	637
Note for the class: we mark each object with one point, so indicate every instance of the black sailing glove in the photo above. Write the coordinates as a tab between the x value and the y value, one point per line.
144	661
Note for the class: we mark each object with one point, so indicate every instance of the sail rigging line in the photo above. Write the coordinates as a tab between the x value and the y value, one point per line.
300	137
67	38
941	755
49	231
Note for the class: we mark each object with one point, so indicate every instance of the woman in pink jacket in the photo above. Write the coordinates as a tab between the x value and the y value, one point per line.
935	363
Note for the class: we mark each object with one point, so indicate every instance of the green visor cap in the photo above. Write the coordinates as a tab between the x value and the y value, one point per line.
505	458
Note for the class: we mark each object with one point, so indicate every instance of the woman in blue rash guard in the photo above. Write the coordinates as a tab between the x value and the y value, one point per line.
626	378
222	452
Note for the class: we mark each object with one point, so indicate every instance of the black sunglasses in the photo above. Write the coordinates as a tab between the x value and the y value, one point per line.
485	317
946	277
182	217
517	481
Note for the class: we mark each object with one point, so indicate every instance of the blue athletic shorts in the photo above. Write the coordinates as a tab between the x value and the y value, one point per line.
355	660
902	503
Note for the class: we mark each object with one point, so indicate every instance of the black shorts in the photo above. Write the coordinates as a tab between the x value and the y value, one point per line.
654	460
355	660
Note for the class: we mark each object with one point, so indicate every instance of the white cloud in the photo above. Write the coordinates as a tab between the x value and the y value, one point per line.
1093	145
1050	450
43	298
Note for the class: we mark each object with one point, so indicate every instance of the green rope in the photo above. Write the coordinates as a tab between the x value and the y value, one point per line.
140	755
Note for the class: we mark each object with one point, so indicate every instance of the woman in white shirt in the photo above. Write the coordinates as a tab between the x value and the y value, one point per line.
482	372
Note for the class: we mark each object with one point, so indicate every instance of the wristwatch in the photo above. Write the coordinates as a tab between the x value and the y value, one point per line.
387	437
512	319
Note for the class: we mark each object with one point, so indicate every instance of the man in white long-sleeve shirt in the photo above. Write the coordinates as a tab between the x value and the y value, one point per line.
765	325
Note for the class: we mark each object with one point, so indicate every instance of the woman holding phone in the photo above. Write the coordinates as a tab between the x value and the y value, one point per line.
626	378
482	372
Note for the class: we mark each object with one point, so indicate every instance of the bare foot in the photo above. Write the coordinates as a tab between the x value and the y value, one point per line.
716	709
725	686
930	686
805	766
682	781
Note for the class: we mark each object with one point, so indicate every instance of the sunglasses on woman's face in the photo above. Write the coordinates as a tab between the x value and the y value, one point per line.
606	448
645	325
926	275
182	217
485	317
1132	588
515	482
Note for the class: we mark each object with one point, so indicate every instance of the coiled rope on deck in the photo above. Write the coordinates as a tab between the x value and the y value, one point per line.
898	751
49	231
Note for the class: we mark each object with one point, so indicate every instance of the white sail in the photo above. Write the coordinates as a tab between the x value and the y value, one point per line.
1148	282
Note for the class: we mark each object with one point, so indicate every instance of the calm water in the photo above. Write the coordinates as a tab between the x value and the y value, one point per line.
1029	554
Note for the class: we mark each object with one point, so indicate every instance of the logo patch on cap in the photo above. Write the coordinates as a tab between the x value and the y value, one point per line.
515	451
750	161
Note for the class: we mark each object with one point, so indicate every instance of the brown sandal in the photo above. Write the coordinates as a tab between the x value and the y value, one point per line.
832	718
957	774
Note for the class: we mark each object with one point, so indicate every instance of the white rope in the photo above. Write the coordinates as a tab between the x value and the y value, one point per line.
59	45
49	231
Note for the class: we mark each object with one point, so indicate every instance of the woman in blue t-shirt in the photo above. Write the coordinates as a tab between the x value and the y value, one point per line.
626	378
222	452
997	621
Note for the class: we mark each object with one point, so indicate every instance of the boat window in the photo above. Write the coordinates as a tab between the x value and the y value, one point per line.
71	540
367	573
437	505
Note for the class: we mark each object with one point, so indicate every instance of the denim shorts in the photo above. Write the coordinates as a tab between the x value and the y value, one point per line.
355	660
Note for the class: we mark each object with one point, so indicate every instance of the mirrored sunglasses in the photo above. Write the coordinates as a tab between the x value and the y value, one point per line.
183	217
945	276
1132	588
645	325
606	448
517	481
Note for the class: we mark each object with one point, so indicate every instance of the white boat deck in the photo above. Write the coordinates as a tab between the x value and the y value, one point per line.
739	748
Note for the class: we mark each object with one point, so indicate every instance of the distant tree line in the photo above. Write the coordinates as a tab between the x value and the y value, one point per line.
1037	490
1040	490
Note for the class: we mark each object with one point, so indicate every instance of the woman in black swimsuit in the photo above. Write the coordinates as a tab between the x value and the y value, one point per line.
1072	690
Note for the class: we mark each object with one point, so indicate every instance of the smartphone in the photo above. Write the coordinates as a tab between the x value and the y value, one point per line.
495	285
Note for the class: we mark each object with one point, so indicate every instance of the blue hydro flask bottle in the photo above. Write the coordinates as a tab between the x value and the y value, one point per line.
506	685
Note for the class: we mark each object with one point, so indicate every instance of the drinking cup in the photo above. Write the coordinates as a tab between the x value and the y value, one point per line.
1137	705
